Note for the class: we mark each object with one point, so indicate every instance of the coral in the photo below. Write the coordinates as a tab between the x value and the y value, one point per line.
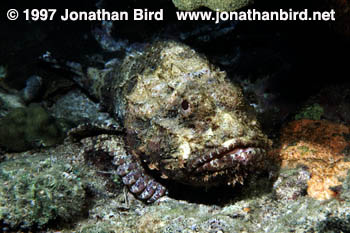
25	128
220	5
320	146
108	212
37	190
313	112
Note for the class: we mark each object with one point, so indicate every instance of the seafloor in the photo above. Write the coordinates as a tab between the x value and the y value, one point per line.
294	74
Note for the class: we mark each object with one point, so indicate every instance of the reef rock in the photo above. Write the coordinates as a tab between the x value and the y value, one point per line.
321	146
216	5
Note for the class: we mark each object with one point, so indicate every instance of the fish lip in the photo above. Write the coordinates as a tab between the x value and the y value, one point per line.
238	147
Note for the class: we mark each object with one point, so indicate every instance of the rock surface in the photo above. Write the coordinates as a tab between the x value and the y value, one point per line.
253	209
321	146
216	5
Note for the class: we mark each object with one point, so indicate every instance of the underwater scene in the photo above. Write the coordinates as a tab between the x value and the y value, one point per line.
175	116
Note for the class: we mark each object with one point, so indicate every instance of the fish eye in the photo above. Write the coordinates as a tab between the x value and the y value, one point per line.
185	105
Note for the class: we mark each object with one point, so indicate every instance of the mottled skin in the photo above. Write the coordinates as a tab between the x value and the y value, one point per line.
182	118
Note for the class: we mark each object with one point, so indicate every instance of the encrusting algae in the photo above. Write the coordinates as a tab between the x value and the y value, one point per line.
322	147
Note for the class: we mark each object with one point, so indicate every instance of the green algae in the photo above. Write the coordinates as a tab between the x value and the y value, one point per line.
30	127
37	190
312	112
303	149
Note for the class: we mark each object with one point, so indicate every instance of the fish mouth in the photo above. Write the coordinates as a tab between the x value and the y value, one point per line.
232	154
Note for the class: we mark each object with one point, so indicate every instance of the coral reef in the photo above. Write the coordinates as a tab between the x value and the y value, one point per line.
320	146
219	5
156	116
287	209
29	127
36	190
258	214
